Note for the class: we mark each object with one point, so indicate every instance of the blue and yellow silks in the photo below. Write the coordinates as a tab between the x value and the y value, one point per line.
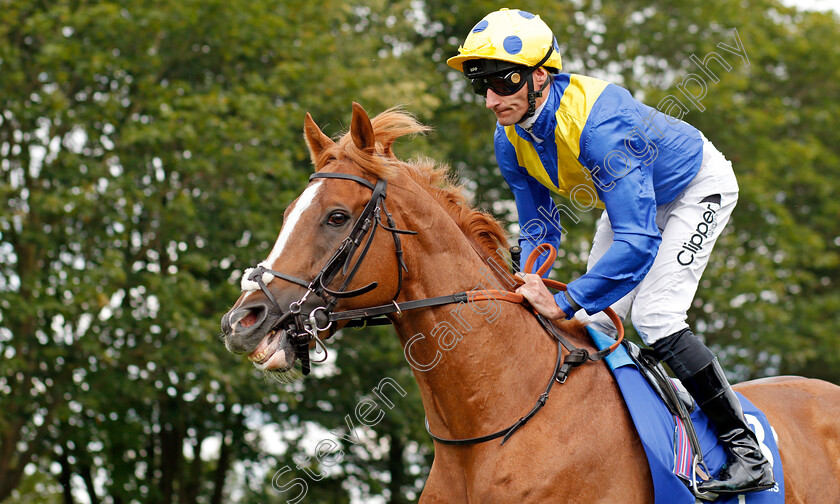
596	145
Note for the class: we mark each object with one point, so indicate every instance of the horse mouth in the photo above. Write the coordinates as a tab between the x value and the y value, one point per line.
273	353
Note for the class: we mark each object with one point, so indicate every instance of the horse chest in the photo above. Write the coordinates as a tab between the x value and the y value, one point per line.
551	460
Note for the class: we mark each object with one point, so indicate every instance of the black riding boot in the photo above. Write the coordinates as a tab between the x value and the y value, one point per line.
747	470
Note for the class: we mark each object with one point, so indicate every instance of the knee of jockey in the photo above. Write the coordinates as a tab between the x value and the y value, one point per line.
637	317
645	321
684	353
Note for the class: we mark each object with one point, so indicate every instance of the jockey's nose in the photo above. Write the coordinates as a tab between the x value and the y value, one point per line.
492	99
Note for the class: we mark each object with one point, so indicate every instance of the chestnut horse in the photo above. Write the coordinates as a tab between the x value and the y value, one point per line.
480	365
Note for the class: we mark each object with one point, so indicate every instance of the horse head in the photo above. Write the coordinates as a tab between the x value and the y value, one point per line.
328	254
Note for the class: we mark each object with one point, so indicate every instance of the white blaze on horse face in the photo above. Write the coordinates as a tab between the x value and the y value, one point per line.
304	201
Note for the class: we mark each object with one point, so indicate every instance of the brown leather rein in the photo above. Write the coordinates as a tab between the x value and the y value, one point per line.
303	328
562	367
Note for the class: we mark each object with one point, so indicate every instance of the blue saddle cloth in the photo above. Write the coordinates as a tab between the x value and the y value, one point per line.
667	450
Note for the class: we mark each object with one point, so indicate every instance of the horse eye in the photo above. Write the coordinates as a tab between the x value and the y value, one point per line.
337	219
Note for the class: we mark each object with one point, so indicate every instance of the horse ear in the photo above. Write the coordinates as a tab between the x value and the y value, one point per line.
361	130
315	138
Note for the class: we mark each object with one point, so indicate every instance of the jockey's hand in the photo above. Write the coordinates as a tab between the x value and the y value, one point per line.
539	296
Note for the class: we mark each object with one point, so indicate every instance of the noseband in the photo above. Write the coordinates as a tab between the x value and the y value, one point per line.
303	329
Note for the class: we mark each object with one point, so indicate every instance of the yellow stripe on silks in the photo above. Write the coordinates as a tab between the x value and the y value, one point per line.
571	115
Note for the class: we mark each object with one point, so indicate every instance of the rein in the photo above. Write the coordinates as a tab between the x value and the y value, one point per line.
303	329
576	356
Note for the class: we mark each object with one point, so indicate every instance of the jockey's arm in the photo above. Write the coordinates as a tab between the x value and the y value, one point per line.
626	189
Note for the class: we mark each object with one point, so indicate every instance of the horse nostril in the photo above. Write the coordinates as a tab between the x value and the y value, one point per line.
244	328
248	320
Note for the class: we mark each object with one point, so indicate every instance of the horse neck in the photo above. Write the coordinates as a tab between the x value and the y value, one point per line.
474	362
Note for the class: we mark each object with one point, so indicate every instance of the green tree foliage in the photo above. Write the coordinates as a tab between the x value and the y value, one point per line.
148	150
134	146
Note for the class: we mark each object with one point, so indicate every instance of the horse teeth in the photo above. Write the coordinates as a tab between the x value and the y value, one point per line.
261	355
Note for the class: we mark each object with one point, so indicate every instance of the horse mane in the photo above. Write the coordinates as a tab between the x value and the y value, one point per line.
483	231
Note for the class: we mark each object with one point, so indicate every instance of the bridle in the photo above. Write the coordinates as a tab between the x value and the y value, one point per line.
302	329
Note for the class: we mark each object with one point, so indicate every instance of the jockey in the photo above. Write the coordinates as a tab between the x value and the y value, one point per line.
667	191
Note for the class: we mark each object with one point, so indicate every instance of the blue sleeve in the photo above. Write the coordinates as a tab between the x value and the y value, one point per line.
625	186
534	225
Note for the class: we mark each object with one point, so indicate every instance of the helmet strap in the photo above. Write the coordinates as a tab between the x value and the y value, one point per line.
533	95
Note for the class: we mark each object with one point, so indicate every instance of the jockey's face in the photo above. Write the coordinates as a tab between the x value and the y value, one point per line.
511	109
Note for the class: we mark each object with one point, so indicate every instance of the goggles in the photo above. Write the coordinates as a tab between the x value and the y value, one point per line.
503	84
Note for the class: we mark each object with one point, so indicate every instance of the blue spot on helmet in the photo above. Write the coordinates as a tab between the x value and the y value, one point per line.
512	44
481	26
526	14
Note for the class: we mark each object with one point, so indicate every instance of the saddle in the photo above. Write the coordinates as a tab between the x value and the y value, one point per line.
672	392
680	443
678	402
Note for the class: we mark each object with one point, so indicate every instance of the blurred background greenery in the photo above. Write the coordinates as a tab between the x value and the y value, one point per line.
148	149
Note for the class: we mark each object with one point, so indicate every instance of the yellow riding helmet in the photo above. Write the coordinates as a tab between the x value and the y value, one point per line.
514	36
